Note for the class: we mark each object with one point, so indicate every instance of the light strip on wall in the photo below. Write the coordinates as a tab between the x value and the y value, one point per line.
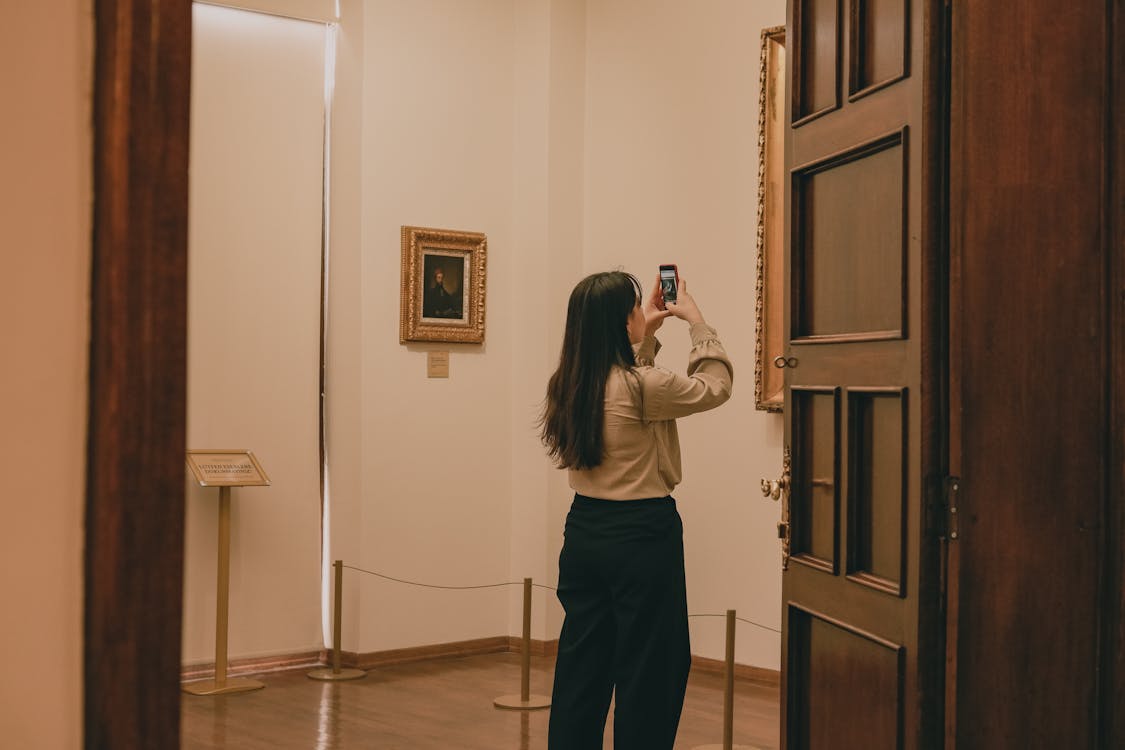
331	32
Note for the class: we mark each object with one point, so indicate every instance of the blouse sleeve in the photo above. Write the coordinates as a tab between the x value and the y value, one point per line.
645	352
710	376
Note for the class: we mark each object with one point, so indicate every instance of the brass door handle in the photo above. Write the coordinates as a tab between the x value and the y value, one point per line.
778	489
774	488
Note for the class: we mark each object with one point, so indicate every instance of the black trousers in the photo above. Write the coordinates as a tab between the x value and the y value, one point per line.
621	582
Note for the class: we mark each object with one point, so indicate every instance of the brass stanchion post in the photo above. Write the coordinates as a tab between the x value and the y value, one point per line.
222	589
221	684
728	694
336	673
525	700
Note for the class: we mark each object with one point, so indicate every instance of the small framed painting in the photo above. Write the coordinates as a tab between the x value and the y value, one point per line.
443	286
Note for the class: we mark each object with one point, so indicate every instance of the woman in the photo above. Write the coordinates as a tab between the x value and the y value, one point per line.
610	421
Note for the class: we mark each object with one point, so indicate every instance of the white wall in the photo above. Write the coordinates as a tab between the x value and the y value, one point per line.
436	477
254	324
46	64
550	131
344	388
579	136
671	177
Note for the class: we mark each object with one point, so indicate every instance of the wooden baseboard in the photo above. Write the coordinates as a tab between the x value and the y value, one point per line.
496	645
538	648
760	675
253	665
372	659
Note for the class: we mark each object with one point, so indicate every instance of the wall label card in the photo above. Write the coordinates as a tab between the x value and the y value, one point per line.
226	468
437	364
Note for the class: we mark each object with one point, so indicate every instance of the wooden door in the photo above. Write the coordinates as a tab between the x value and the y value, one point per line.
134	536
1036	635
862	642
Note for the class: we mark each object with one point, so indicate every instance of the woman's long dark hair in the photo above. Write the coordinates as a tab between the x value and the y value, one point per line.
595	341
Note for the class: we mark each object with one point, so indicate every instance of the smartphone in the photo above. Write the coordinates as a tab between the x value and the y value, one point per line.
669	282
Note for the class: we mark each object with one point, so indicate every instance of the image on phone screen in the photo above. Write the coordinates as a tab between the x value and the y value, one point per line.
668	283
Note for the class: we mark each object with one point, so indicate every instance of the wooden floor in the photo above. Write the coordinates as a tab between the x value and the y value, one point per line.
439	704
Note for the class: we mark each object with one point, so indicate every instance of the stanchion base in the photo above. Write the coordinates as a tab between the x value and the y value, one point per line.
327	675
234	685
514	703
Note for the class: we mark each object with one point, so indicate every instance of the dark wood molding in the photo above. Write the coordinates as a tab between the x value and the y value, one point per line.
135	448
1112	688
933	401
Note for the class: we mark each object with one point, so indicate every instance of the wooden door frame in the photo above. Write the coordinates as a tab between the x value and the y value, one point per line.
137	396
138	374
1112	687
1106	713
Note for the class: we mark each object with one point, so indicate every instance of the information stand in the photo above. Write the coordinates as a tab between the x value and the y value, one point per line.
224	469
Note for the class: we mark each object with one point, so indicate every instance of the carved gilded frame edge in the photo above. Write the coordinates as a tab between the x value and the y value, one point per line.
412	327
772	402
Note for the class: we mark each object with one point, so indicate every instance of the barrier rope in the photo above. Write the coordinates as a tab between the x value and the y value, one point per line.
514	583
742	619
448	588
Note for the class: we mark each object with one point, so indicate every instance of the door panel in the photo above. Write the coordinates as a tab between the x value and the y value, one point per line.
843	672
816	73
813	491
861	662
848	244
878	503
881	45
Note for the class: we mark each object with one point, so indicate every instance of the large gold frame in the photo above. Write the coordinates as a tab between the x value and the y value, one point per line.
472	246
769	311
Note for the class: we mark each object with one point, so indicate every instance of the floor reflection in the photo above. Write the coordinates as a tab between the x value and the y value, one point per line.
219	722
328	717
436	704
525	731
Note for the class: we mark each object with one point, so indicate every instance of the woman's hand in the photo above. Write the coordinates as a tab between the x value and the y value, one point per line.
684	307
653	309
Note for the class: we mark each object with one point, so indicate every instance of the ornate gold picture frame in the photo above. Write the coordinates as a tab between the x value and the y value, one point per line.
443	285
769	381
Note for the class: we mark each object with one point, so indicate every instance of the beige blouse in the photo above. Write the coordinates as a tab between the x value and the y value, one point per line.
642	446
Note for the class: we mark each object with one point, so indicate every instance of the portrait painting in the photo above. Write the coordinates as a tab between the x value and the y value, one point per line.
443	285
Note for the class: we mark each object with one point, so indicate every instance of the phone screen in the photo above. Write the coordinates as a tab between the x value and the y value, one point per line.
668	283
